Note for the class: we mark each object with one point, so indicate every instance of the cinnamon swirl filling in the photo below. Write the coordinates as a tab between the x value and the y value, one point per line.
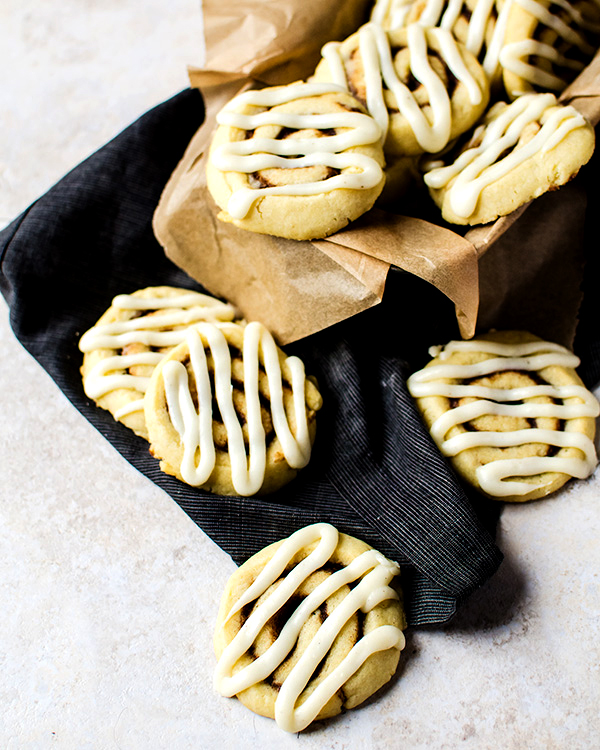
227	411
298	161
420	85
308	626
511	413
132	337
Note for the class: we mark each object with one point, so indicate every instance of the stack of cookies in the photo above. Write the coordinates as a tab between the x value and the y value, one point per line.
458	96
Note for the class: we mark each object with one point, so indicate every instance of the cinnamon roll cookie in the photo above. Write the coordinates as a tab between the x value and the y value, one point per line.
131	338
547	44
520	151
298	161
308	627
391	14
227	411
510	412
421	85
477	24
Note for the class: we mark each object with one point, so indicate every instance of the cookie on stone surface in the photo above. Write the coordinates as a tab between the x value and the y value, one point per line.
520	151
308	627
510	412
227	411
298	161
122	349
421	85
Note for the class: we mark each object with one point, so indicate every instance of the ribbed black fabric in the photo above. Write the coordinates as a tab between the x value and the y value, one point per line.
375	472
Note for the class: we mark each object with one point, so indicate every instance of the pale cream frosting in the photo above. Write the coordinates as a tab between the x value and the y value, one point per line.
477	167
194	424
500	52
394	14
513	58
165	329
575	401
379	70
371	570
358	171
391	14
513	54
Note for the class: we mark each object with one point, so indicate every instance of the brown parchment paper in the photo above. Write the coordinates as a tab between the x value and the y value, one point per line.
298	288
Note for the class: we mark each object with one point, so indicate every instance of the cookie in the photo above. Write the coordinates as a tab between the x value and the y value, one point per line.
227	411
520	151
421	85
548	44
510	412
130	339
477	24
308	627
298	161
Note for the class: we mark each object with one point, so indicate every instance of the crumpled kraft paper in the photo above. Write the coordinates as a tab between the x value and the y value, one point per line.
296	287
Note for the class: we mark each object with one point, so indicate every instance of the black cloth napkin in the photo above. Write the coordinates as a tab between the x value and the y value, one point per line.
375	472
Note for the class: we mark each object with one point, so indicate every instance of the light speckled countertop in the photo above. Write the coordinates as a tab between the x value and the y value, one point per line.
108	612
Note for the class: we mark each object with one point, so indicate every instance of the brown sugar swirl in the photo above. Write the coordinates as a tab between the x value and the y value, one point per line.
510	412
309	626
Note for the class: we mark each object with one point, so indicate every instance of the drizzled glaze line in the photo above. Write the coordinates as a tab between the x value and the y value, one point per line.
394	14
513	58
373	573
391	14
194	424
562	29
165	329
477	167
500	52
358	171
518	57
576	402
379	69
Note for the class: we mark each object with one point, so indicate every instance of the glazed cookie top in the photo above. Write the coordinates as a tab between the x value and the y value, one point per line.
504	390
131	338
529	128
202	375
358	580
422	77
326	141
548	43
478	24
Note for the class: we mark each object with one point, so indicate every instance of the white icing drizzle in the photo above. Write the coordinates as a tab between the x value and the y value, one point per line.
372	571
576	401
491	60
165	329
379	69
477	167
393	14
194	425
500	53
513	58
358	171
563	30
105	376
